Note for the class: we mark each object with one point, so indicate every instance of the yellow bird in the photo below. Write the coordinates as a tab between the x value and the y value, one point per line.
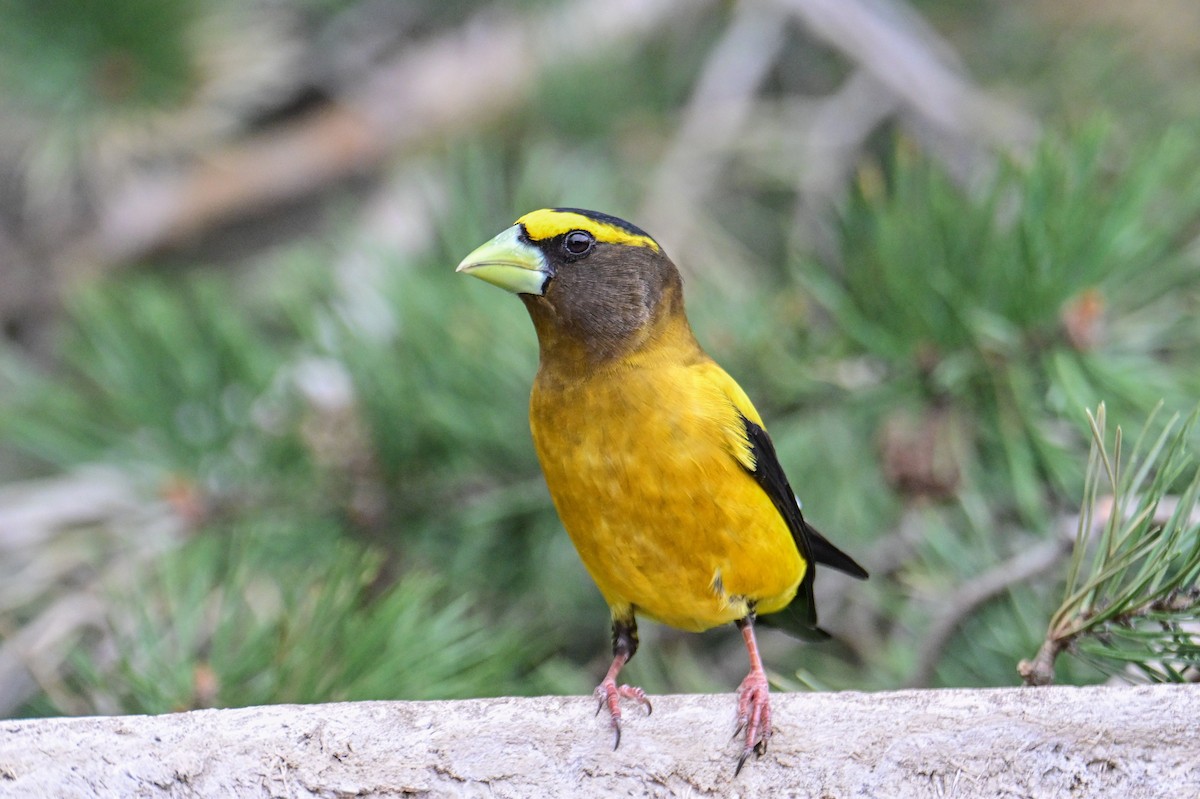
660	467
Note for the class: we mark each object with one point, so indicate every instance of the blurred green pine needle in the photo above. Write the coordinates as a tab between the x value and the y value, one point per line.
86	58
222	623
1132	596
1054	286
175	377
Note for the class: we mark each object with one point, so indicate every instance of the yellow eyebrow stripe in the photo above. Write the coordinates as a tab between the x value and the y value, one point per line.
548	223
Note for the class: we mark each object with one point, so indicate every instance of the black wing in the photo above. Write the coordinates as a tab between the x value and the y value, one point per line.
800	616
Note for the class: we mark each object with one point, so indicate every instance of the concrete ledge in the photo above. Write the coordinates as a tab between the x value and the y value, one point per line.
1057	741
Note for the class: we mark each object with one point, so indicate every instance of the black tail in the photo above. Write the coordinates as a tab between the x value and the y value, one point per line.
827	554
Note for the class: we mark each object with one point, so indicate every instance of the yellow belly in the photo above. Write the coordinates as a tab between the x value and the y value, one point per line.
665	518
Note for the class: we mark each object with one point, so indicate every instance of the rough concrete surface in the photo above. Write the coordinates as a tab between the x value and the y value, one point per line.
1054	742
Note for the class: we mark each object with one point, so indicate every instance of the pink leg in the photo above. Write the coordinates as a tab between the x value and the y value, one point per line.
608	692
754	707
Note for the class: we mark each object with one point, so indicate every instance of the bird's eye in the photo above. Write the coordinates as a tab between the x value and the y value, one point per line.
578	242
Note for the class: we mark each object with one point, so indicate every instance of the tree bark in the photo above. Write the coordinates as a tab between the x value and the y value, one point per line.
1013	742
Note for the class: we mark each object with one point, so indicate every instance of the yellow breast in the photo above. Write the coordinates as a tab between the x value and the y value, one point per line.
645	463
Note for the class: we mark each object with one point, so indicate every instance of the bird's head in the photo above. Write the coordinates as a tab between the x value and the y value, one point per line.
596	286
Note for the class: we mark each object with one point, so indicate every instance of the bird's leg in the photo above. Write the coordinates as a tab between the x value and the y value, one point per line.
625	644
754	707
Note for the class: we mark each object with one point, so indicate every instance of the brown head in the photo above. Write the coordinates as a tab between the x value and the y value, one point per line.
597	287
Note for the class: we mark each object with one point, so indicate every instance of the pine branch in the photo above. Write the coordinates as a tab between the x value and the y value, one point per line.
1131	595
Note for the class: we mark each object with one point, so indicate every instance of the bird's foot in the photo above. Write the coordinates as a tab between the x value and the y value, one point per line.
753	716
609	693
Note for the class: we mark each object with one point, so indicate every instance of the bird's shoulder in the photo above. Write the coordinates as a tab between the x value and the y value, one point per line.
730	405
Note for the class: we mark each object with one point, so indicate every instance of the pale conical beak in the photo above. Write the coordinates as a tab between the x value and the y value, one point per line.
509	263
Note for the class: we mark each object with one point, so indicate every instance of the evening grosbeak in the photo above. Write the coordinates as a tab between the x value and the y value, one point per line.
660	467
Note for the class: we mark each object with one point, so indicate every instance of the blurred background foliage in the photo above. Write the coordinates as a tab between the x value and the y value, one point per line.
259	444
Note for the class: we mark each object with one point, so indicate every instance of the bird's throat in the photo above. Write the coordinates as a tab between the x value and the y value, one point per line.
575	349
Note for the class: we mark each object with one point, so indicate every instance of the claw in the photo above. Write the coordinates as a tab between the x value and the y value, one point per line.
758	750
609	693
